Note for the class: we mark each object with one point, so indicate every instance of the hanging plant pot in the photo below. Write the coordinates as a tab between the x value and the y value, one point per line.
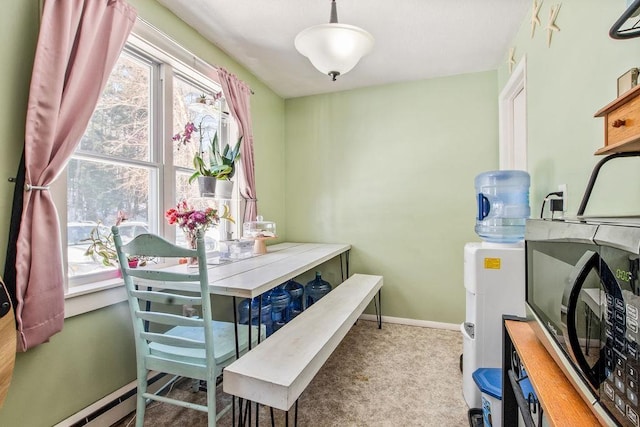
224	189
207	185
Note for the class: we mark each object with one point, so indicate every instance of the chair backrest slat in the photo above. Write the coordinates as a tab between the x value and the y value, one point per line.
167	298
155	246
169	319
162	276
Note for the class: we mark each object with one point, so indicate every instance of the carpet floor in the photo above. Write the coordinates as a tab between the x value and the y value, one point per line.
397	376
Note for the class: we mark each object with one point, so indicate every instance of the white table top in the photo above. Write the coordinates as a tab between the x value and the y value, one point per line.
251	277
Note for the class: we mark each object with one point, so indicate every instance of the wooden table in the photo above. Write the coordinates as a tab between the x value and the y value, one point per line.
251	277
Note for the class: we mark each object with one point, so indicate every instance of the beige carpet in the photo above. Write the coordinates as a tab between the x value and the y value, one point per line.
398	376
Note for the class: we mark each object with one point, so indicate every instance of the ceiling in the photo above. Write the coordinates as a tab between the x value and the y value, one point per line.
414	39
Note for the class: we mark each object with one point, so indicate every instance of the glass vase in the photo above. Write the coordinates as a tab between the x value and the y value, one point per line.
193	244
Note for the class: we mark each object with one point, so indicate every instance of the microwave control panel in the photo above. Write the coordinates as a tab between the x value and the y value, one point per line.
620	389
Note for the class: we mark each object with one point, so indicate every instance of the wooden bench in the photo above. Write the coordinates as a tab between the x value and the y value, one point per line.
278	370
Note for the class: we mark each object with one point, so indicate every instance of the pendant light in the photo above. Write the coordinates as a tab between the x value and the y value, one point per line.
333	48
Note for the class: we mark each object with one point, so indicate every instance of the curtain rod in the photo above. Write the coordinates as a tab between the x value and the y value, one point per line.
148	31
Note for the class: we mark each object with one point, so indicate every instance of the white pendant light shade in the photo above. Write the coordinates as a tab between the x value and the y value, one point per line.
334	48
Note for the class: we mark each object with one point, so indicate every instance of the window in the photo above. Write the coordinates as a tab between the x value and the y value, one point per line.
126	162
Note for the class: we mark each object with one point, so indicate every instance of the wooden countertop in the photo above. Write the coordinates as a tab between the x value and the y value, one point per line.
560	401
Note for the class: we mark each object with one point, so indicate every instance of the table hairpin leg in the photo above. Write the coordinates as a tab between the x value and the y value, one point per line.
346	264
378	306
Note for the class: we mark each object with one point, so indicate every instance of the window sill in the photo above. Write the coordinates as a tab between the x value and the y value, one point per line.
92	296
82	299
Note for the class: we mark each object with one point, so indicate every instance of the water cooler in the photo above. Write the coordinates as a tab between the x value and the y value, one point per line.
494	273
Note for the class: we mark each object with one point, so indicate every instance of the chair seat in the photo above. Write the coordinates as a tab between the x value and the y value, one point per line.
223	336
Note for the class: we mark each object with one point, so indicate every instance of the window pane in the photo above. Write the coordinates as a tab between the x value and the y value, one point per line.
96	192
120	123
184	190
192	105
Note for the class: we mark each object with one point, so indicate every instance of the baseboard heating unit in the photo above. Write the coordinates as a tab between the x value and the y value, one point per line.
115	406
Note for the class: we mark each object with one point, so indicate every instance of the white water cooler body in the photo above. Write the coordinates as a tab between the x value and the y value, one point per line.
494	280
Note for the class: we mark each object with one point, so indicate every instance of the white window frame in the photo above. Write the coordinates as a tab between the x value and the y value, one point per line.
82	298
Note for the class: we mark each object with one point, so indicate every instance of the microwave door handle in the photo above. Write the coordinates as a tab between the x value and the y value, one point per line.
588	261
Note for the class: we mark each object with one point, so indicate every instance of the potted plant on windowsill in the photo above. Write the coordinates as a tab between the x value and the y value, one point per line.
214	167
221	165
102	248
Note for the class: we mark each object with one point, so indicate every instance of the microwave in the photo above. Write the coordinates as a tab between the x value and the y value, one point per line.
583	291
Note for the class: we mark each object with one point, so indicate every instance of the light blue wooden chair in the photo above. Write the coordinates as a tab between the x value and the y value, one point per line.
166	340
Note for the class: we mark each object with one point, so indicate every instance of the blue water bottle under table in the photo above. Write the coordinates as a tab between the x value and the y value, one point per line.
243	312
296	292
316	289
280	300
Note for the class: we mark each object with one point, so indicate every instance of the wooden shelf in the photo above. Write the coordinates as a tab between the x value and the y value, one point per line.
561	403
632	144
621	123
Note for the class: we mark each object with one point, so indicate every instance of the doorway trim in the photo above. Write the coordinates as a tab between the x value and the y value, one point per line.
515	85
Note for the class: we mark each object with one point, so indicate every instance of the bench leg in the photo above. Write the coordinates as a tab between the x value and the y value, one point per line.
244	415
295	417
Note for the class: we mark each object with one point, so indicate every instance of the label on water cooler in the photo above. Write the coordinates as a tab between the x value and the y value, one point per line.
492	263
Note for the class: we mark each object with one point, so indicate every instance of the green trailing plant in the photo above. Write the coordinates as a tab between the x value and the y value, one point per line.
102	247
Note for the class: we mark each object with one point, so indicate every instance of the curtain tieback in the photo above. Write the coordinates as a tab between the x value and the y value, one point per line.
29	187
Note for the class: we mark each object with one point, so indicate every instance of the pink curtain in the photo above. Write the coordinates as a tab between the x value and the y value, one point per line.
238	95
78	45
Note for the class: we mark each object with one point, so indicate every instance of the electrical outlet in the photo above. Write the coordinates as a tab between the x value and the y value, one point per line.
565	199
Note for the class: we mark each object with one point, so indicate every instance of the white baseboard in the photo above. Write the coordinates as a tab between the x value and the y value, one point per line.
413	322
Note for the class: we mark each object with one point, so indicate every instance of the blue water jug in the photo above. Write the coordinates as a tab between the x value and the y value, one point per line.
316	289
296	292
503	205
243	312
280	300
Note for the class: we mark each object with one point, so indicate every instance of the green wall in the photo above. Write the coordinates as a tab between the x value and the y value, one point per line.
94	354
566	84
390	170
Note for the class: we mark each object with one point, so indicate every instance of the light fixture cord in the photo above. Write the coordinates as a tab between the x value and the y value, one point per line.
333	19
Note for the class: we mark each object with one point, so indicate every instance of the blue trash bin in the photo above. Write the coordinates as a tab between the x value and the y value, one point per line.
489	381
